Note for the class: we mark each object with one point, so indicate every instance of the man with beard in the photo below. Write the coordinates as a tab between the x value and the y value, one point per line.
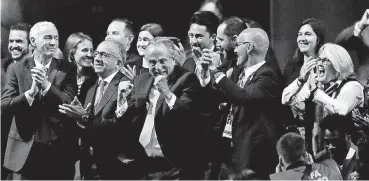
42	143
336	131
205	56
166	109
19	49
253	119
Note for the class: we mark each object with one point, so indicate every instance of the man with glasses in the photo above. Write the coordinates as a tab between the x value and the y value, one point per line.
253	119
106	133
42	143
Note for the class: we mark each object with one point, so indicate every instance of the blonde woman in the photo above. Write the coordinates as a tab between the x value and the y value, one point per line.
332	86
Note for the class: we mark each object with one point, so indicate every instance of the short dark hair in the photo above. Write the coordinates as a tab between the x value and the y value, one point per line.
206	18
22	27
252	23
154	29
129	24
234	26
343	124
291	147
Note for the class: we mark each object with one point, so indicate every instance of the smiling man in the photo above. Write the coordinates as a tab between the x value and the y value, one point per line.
42	144
166	102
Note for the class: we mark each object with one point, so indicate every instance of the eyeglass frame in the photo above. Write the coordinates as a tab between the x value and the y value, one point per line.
323	61
104	56
238	44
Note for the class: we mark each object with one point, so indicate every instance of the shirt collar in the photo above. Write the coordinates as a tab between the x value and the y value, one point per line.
39	65
145	64
254	68
109	78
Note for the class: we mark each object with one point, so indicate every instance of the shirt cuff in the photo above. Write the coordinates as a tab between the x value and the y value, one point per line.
205	81
121	109
46	90
219	78
29	98
171	101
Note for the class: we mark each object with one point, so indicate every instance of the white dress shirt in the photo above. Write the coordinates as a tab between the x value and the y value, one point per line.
148	137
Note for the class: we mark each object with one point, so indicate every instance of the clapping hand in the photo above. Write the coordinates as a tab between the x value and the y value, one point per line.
39	75
306	68
130	72
75	109
124	89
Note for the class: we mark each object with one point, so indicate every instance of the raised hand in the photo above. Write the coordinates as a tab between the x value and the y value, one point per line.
39	75
130	72
124	89
308	65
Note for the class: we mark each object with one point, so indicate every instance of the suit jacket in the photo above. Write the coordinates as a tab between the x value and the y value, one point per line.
28	119
256	119
135	60
347	40
109	136
178	129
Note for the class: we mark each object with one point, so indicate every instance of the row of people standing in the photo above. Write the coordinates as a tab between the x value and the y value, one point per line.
248	122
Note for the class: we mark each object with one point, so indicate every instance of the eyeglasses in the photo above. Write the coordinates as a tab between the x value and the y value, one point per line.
104	55
324	61
240	44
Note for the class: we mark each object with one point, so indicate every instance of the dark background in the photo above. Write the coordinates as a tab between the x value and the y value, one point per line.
280	18
93	16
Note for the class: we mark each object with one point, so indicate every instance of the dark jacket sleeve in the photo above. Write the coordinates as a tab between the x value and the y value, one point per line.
347	39
262	88
65	93
11	99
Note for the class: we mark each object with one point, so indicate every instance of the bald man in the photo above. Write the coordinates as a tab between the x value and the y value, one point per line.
253	101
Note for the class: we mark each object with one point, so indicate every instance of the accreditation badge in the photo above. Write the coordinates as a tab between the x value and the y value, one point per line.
227	133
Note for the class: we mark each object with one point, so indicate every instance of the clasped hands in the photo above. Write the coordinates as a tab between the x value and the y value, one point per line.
208	59
39	81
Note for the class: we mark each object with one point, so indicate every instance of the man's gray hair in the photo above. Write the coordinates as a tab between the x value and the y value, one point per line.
121	53
169	44
34	32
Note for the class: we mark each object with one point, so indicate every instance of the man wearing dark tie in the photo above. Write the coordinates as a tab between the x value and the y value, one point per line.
166	110
253	119
106	133
42	143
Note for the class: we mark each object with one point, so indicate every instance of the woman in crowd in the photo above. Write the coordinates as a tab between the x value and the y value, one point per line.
79	50
147	33
332	86
310	37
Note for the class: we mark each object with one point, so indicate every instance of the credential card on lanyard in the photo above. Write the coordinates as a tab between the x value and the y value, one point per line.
227	133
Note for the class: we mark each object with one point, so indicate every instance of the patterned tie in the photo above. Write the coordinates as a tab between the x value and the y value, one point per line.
99	93
241	79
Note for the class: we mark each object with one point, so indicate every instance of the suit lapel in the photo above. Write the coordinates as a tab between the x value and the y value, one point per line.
90	97
29	64
145	86
53	69
109	92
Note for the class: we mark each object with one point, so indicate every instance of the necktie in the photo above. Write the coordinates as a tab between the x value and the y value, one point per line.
241	79
149	121
99	93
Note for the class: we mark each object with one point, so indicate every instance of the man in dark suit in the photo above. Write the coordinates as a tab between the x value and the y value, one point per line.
255	104
18	47
42	143
106	132
122	31
167	116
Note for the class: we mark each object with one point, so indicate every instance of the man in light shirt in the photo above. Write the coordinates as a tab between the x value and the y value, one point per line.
42	144
167	113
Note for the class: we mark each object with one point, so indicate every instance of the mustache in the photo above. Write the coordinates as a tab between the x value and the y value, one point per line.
16	48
